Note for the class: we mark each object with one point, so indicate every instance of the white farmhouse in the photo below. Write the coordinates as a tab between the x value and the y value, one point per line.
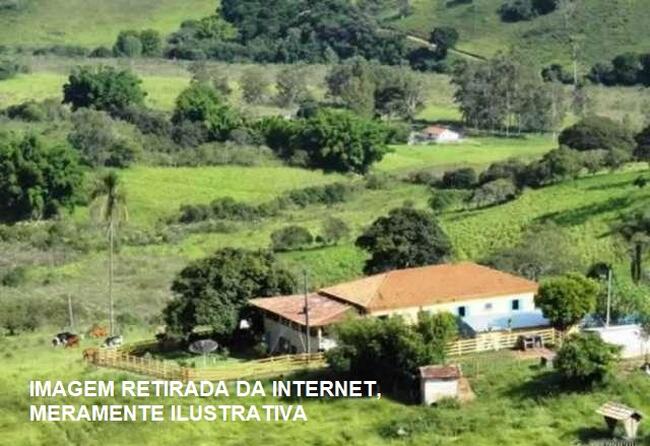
484	299
435	134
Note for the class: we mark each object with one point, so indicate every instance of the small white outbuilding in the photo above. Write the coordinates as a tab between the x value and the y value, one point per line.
439	381
629	337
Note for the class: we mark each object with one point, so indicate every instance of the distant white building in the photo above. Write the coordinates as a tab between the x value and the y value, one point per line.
484	299
434	134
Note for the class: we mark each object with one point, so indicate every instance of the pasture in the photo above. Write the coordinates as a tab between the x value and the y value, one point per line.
92	23
516	404
545	38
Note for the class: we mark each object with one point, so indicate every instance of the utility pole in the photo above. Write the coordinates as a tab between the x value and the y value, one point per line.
609	296
308	343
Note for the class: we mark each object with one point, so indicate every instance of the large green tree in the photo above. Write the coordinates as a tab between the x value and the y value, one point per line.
337	140
103	88
404	238
566	300
214	290
35	181
201	104
597	132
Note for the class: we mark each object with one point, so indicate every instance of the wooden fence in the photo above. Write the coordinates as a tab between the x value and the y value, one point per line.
124	359
260	368
498	341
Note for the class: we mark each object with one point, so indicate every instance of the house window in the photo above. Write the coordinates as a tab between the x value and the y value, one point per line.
515	305
488	306
462	311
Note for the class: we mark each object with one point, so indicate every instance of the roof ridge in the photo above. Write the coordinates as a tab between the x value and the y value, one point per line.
378	292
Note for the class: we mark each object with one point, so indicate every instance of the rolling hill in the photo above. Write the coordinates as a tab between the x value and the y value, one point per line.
90	23
603	28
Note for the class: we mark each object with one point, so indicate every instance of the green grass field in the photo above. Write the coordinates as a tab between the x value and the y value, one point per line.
545	38
478	152
92	23
516	404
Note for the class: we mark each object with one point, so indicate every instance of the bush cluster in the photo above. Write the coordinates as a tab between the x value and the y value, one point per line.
230	209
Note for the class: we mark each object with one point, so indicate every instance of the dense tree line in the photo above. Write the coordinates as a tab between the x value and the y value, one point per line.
286	31
624	69
518	10
504	94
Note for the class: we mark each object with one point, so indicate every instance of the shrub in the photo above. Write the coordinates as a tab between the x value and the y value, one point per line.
229	209
128	44
146	120
585	359
8	69
102	88
62	51
101	52
14	277
463	178
328	194
334	230
386	350
596	132
290	238
94	136
511	169
495	192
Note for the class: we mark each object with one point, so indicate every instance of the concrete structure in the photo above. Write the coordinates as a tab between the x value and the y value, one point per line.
629	337
484	300
439	381
434	134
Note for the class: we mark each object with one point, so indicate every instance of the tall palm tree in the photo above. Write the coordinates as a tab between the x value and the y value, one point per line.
109	208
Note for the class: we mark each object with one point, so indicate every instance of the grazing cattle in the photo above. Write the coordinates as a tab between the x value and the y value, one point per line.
63	338
98	331
73	341
113	341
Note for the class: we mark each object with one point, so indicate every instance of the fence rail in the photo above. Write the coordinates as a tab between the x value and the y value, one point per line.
274	365
124	359
498	341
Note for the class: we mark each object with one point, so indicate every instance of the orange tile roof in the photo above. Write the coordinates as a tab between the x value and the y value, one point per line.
322	310
428	285
435	130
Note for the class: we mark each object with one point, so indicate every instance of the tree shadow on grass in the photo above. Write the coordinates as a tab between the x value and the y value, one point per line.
616	185
547	384
587	435
582	214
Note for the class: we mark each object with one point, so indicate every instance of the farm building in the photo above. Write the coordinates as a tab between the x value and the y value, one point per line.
629	337
439	381
434	134
484	299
